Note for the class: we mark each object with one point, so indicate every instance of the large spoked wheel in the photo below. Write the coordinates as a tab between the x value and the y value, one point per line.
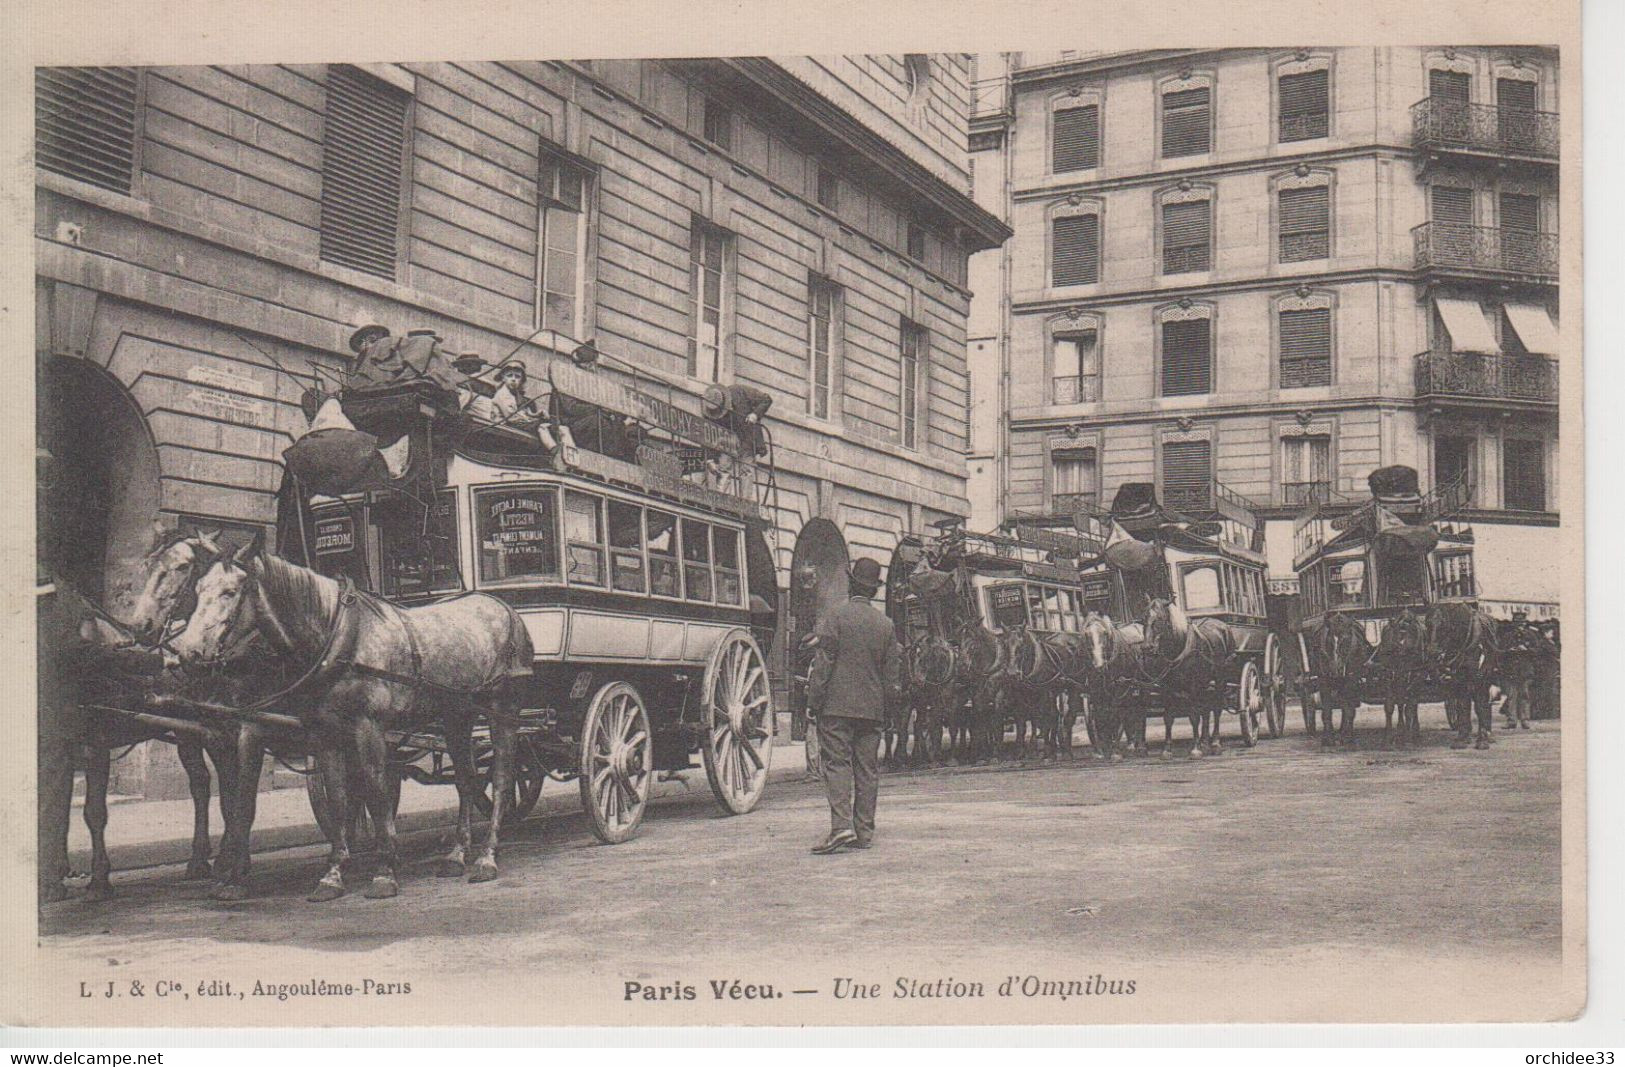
526	788
1249	699
738	703
617	762
1274	689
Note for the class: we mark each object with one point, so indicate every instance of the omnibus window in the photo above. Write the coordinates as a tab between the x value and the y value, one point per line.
518	531
661	542
1453	575
1346	583
1402	580
725	543
584	533
1202	589
1070	613
1007	605
697	559
1035	608
626	572
418	550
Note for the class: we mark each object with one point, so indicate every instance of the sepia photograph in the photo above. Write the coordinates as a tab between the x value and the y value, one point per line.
940	537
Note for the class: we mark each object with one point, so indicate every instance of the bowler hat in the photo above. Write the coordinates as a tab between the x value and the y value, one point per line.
366	336
866	573
512	364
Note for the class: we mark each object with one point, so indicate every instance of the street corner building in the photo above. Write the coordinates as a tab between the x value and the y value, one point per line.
208	239
1271	272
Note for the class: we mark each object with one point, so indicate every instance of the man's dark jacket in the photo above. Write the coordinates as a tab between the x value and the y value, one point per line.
859	670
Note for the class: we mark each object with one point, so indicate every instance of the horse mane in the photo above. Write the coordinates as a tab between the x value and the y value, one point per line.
168	537
295	588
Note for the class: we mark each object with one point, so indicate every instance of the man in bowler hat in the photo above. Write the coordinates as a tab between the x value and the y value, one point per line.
857	675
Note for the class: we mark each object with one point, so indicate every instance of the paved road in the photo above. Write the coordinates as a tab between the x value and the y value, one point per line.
1275	865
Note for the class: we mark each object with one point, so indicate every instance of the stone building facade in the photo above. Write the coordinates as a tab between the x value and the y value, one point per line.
205	236
1275	270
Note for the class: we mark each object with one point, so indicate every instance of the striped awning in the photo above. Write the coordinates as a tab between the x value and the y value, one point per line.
1535	328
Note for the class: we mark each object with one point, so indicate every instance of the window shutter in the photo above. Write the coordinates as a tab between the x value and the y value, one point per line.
1305	224
1514	92
1303	104
1077	250
1185	236
1306	348
1187	473
1524	478
1077	138
1453	460
1520	212
1450	86
1073	472
1185	122
364	155
84	124
1452	205
1187	357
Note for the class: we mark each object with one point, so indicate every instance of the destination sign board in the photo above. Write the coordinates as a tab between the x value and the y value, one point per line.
335	534
606	392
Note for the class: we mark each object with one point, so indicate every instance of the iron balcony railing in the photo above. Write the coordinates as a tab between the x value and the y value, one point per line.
1077	390
1439	124
1453	374
1297	494
1455	246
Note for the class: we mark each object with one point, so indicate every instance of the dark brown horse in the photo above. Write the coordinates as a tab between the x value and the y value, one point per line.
92	661
1399	673
1463	659
367	667
1188	660
1338	654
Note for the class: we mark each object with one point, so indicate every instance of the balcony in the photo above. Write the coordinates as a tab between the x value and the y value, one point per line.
1298	494
1076	390
1454	248
1498	133
1072	503
1460	377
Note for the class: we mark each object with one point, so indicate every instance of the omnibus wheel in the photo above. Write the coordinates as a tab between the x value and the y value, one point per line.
1249	696
617	762
1274	688
738	707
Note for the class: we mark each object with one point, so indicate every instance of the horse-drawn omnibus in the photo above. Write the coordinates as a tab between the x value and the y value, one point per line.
1395	553
626	531
1199	557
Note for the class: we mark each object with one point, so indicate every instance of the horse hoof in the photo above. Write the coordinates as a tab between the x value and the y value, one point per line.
98	893
1196	753
229	891
198	870
1115	757
1523	726
324	892
447	868
484	871
1460	742
382	888
53	894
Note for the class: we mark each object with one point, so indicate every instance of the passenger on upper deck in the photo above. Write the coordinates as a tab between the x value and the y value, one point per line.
510	404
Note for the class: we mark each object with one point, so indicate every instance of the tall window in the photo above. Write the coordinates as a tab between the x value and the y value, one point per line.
1520	226
823	337
828	189
363	171
562	187
1451	205
1516	101
1076	144
1186	122
1187	230
1523	474
1306	348
1074	478
84	124
1449	86
1075	241
1187	357
1453	456
708	255
1303	102
1306	469
915	356
1187	474
719	124
1077	367
1305	217
916	242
